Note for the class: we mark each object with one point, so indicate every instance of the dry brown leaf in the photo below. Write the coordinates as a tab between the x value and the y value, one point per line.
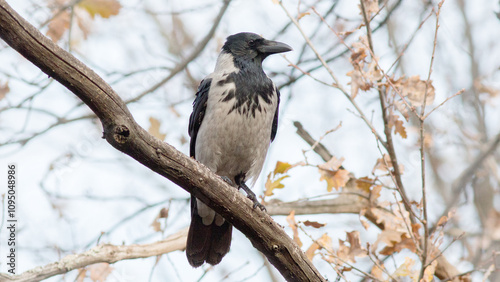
271	185
414	228
282	167
364	183
103	8
156	224
58	25
371	7
314	224
293	224
374	74
358	82
405	269
415	90
365	223
4	89
100	271
378	272
405	243
399	128
383	164
357	57
301	15
389	237
334	179
429	272
349	253
325	242
311	251
333	164
275	183
395	242
163	213
335	176
442	221
401	107
375	193
154	129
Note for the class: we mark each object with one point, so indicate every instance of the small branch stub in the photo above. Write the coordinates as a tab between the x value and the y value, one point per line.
121	134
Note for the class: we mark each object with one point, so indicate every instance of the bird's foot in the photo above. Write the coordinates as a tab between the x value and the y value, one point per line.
227	180
251	196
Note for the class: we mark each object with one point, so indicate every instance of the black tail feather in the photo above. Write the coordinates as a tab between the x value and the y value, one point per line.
206	243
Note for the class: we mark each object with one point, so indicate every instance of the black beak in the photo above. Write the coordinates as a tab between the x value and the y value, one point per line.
270	47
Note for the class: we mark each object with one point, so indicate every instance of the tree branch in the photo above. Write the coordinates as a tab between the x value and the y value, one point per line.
123	133
103	253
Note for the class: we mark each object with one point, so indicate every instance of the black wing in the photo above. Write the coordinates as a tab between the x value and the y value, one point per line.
274	129
199	107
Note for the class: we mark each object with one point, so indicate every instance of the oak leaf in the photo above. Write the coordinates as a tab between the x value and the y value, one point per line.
4	89
281	167
334	179
333	174
358	82
405	269
58	25
293	224
429	272
311	251
314	224
354	249
103	8
364	183
276	184
154	129
416	90
100	271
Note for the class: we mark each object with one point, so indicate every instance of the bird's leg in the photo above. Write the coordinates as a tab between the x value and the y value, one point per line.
251	196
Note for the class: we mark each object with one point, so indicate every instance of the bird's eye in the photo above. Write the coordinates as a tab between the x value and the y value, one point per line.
252	43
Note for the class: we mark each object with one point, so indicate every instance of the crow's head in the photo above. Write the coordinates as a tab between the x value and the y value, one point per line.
252	47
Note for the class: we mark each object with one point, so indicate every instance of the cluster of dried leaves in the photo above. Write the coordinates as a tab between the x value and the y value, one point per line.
82	14
397	233
399	230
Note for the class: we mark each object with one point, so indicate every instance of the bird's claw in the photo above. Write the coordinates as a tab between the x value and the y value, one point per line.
251	196
256	202
227	180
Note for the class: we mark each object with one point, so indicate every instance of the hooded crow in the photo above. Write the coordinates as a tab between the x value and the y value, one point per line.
234	119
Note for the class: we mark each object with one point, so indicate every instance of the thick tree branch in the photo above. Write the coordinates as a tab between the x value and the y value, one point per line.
123	133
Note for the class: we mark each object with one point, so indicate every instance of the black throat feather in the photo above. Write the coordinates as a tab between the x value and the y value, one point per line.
250	83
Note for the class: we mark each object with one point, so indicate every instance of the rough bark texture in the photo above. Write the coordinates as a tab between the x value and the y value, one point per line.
123	133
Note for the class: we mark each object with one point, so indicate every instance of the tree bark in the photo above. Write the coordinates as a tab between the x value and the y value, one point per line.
123	133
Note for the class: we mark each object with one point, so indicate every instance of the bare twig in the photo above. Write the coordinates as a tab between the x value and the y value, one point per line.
422	151
195	53
337	83
389	145
459	92
317	146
